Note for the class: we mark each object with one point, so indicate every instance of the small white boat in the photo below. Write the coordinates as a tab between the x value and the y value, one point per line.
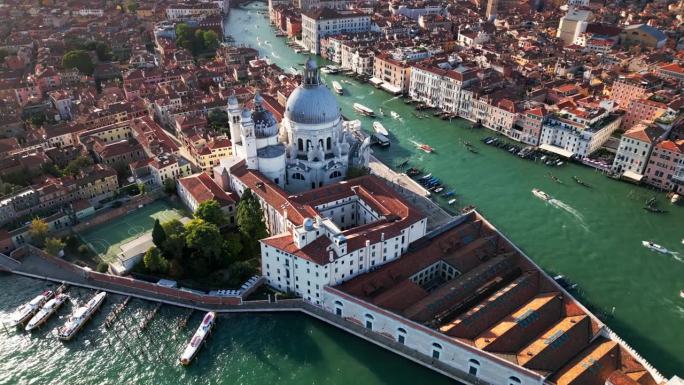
540	194
27	310
330	69
655	247
394	115
80	316
439	190
337	87
452	201
681	293
380	129
198	338
363	110
46	312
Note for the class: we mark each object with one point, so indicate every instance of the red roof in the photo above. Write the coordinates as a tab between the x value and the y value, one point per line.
203	188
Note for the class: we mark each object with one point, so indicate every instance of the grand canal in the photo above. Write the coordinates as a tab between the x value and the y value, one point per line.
593	236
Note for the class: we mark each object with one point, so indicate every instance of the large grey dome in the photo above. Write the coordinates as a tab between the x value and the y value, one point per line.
312	102
312	105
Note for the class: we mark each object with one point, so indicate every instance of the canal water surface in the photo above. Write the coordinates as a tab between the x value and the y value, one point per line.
592	236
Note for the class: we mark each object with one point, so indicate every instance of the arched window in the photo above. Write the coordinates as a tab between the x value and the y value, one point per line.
300	144
329	143
401	335
436	350
369	321
512	380
308	144
335	174
298	176
473	366
320	143
338	308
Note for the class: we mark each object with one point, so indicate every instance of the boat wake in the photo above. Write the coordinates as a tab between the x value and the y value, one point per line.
275	55
390	99
570	210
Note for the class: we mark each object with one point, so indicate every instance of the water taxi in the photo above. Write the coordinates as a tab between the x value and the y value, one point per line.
27	310
380	139
452	201
80	316
363	110
655	247
394	115
330	69
425	148
46	312
380	129
198	338
540	194
337	87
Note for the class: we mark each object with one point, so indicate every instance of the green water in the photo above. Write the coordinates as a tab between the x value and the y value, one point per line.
264	349
593	236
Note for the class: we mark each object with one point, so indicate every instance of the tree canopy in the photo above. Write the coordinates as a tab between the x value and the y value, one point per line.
196	40
158	234
38	231
204	237
53	246
210	211
80	60
250	221
154	262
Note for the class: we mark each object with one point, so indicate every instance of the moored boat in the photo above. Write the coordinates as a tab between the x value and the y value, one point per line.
198	338
363	110
80	316
337	87
540	194
452	201
46	311
27	310
380	129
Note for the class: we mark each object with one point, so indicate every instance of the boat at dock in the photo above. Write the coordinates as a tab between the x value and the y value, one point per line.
540	194
451	201
380	129
80	316
330	69
380	139
46	311
363	110
27	310
198	338
337	87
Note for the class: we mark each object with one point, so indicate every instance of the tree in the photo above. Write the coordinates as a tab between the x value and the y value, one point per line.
218	119
53	246
250	221
75	166
158	234
204	238
131	6
169	186
103	52
210	211
232	249
154	262
38	231
210	40
80	60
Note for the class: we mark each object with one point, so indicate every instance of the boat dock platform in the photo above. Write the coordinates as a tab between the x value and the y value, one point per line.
413	192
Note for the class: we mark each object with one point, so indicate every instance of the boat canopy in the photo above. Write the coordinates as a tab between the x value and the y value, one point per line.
392	89
556	150
631	175
375	81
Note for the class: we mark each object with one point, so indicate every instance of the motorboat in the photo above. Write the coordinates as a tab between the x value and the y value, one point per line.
330	69
27	310
198	338
380	129
363	110
46	311
655	247
540	194
394	115
452	201
425	148
426	176
681	293
439	190
449	193
80	316
337	87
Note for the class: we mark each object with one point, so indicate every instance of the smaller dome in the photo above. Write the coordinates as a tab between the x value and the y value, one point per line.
311	64
246	115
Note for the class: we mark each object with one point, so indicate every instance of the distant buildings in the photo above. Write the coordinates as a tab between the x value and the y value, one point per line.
644	35
635	149
579	131
573	24
322	22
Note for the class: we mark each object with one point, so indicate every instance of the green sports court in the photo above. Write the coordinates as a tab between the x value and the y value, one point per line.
106	239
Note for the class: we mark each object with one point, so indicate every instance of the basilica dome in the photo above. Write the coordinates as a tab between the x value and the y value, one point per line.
312	102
